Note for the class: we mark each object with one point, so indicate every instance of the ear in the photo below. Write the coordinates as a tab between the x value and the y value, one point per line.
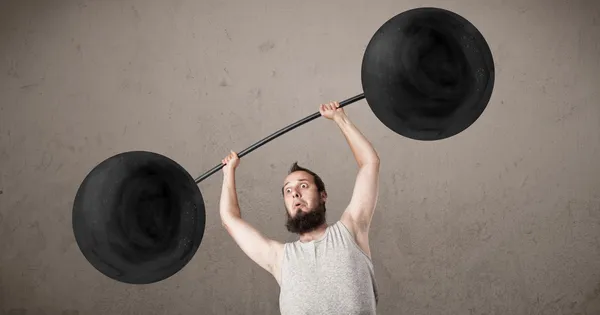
324	196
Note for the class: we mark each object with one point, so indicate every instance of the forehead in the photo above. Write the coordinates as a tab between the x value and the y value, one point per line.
299	176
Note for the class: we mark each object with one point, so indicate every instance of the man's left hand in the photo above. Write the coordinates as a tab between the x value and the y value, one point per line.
331	110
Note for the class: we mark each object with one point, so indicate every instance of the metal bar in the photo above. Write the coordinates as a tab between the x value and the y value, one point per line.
277	134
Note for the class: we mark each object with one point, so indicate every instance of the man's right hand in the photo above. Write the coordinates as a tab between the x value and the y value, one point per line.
231	161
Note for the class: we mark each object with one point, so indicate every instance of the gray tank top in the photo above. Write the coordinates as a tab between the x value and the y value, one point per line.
331	275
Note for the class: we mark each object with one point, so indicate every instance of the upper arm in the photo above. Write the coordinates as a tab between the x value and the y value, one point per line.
262	250
364	197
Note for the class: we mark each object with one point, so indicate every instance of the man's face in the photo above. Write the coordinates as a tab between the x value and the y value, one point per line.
305	206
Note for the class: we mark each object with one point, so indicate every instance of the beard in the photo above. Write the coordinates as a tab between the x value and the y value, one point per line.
306	222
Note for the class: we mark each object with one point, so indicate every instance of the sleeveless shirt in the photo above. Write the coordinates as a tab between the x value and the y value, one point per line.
330	275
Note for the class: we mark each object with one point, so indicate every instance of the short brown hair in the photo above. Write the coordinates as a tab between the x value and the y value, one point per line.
318	181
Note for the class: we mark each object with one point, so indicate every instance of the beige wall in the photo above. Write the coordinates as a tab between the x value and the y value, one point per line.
502	219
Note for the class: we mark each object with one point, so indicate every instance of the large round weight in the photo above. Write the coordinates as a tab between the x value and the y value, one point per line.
138	217
427	74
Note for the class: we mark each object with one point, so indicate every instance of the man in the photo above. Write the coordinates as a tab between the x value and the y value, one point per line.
329	269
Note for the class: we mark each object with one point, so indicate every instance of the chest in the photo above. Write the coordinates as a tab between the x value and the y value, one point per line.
320	263
334	279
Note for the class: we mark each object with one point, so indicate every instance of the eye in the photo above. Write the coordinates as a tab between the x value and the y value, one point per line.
304	185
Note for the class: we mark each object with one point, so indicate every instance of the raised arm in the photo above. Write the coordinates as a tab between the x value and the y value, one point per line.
262	250
366	188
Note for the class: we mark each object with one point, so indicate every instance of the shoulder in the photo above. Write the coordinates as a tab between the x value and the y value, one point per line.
350	224
359	234
278	250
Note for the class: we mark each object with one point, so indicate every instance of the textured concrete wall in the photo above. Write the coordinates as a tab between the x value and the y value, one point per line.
502	219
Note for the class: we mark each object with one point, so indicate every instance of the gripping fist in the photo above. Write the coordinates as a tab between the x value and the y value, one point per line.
331	110
231	161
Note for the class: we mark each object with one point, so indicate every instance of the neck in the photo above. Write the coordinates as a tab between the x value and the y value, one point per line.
314	234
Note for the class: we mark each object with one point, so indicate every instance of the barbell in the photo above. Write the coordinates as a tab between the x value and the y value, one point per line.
139	217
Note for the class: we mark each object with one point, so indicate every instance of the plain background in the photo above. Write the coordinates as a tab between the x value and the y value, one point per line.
503	218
